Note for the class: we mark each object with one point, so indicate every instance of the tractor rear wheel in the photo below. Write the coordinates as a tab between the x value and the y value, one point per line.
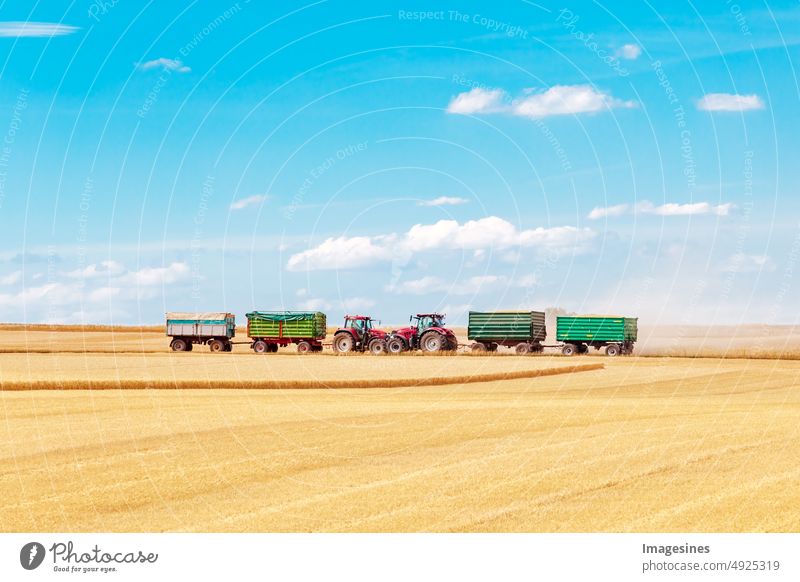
568	350
303	347
261	347
216	345
343	342
522	348
432	342
377	347
396	345
178	345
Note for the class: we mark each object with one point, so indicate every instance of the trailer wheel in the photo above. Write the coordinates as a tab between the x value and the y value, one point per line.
522	348
568	350
189	346
228	347
582	348
261	347
396	345
216	345
343	342
303	348
537	348
492	347
377	347
273	348
612	350
179	345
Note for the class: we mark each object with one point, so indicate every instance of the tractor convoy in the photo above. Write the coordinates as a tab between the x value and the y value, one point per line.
523	331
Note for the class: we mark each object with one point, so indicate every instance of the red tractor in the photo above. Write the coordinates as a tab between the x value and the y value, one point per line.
359	334
427	333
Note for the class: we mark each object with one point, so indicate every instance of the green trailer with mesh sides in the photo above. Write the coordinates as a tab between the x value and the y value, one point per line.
616	334
522	330
270	330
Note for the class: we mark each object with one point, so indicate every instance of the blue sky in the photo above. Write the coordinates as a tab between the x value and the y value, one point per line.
390	158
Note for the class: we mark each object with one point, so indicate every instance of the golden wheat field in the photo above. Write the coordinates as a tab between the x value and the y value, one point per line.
645	444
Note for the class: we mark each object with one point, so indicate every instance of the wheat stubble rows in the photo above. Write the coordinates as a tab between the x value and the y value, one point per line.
645	444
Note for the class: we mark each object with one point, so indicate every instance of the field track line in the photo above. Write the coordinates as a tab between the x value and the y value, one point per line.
290	384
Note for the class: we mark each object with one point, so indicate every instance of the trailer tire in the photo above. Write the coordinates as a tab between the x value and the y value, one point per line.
537	348
568	350
432	342
304	348
261	347
396	345
479	348
343	343
522	348
179	345
612	350
377	347
228	347
582	349
273	348
492	347
216	345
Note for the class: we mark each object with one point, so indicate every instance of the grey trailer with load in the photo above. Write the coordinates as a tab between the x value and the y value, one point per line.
213	328
523	330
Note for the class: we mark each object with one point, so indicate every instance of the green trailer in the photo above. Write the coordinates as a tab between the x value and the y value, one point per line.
270	330
616	334
523	330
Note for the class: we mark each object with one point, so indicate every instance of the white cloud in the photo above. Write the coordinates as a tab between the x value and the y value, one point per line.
249	201
672	209
165	64
95	270
352	305
104	293
566	100
469	286
35	29
152	276
11	278
491	232
477	100
341	253
443	201
744	263
729	102
604	212
557	100
629	51
668	209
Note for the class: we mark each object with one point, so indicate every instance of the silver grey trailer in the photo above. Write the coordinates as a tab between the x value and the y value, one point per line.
213	328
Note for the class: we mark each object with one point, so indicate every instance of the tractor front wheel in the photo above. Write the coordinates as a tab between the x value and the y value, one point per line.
343	343
396	345
377	347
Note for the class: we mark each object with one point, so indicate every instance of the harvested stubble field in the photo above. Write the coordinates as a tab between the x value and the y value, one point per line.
643	444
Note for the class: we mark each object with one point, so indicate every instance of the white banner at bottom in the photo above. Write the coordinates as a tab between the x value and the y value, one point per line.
400	557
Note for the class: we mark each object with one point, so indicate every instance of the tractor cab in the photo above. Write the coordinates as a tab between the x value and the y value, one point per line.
360	324
423	321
